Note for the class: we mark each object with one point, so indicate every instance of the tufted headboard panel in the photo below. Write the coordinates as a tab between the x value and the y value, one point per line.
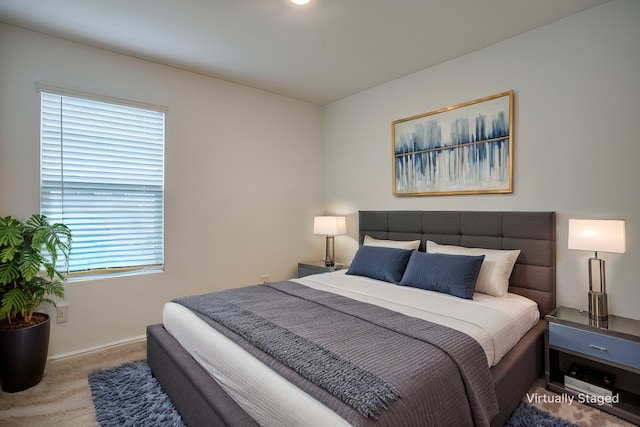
534	233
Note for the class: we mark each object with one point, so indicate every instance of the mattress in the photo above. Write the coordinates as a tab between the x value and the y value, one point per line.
496	323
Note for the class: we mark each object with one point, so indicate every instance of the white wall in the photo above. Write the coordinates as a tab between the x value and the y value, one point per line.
577	137
246	168
242	175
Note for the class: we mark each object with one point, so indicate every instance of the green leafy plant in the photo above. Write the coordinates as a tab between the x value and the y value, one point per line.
29	253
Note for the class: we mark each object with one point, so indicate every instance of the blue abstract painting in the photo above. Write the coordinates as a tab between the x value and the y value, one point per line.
463	149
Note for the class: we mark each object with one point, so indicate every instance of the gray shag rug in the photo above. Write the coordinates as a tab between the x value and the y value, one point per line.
129	396
530	416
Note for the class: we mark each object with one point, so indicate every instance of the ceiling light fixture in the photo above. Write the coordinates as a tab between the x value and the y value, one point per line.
300	2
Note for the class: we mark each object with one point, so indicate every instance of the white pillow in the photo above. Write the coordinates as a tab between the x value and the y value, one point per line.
399	244
493	278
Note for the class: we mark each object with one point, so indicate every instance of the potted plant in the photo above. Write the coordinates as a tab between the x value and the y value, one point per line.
29	253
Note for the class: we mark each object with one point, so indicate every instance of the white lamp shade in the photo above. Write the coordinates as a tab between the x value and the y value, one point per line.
597	235
329	225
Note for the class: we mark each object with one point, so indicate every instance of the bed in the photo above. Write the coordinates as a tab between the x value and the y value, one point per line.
202	401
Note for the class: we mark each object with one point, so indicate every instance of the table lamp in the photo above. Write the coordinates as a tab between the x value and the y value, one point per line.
597	236
329	226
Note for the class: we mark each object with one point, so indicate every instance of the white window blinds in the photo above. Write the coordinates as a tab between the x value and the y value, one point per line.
102	174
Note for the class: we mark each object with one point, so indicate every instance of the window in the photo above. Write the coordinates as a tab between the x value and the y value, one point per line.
102	174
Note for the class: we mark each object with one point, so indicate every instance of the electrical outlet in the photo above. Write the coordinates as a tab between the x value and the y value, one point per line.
62	314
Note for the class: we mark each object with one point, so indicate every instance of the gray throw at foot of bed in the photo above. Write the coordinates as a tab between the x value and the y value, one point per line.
438	364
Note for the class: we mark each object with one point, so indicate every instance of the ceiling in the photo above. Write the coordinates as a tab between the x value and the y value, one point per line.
321	52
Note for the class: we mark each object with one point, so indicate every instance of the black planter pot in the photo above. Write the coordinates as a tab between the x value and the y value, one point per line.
23	356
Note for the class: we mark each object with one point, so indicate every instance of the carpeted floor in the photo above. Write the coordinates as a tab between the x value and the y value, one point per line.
63	398
578	413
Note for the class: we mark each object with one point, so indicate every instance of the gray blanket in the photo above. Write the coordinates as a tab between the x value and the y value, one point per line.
370	365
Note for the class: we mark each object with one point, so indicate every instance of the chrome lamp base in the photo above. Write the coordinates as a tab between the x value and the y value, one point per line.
598	303
329	260
598	309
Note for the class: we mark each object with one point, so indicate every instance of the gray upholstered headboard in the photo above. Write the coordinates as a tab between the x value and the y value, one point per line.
534	233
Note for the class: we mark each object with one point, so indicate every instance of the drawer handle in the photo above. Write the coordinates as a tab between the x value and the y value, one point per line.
597	347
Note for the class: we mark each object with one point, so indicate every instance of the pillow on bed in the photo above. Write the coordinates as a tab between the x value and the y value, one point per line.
380	263
400	244
496	268
450	274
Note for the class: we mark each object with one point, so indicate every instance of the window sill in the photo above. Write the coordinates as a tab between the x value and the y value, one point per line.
109	274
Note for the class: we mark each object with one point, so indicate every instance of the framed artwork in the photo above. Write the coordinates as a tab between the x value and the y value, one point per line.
462	149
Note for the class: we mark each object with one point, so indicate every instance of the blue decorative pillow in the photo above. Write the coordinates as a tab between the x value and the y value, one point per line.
450	274
380	263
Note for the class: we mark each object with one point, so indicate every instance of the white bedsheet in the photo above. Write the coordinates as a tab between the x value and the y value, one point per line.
496	323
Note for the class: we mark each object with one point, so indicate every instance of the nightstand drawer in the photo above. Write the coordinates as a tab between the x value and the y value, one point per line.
591	343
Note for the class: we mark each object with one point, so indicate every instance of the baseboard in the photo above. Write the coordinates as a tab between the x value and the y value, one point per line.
98	348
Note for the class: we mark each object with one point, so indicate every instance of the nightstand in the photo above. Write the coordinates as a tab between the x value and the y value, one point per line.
316	267
571	342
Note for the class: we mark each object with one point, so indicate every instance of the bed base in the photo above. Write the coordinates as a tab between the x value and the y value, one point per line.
517	372
202	402
196	395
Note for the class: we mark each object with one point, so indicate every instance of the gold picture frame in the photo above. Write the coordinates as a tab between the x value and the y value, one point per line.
438	153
